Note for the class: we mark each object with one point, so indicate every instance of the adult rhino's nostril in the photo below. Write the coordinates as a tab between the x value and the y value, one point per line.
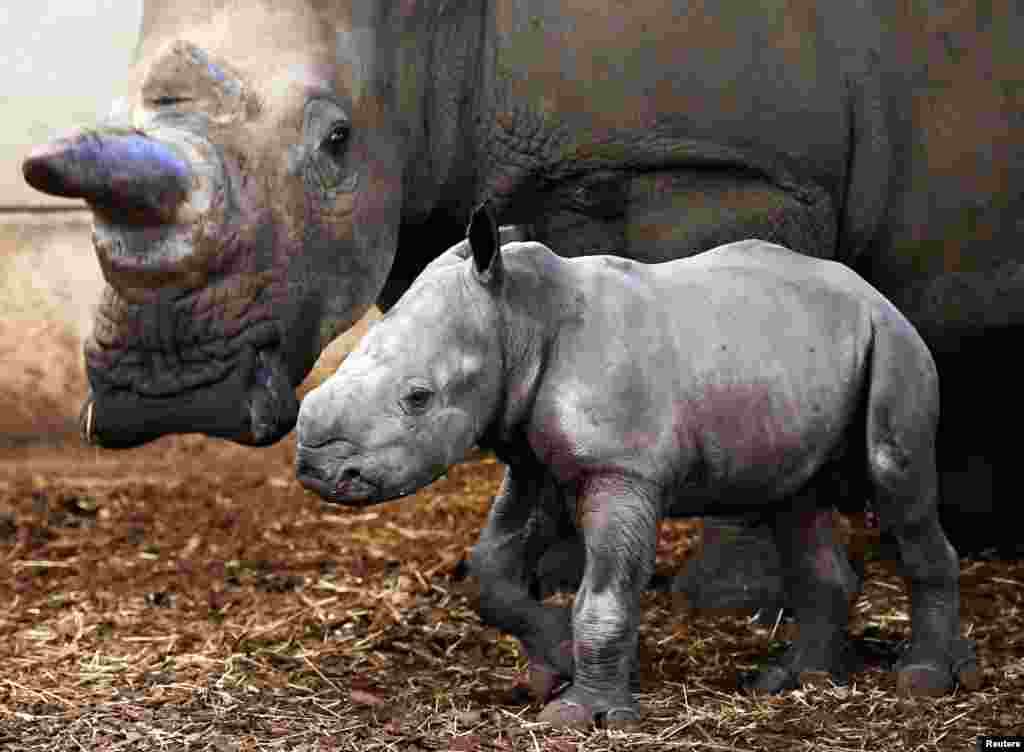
350	473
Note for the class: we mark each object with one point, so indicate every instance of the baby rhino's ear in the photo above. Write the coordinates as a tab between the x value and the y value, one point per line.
483	241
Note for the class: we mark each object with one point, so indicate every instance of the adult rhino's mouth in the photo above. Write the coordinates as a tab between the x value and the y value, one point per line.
253	404
178	372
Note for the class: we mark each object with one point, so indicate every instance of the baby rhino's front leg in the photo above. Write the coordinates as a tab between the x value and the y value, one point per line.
618	519
526	518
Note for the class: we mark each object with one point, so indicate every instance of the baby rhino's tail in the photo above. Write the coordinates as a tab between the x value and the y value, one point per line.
902	420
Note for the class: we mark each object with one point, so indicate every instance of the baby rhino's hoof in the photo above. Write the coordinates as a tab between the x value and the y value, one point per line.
932	678
923	680
566	714
574	712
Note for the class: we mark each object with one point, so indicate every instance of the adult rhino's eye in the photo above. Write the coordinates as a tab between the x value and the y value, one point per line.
327	133
416	401
336	141
168	101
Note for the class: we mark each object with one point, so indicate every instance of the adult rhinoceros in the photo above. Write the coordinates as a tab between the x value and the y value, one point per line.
279	158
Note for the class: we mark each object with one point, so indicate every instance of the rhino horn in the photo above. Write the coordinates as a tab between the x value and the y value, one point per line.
123	172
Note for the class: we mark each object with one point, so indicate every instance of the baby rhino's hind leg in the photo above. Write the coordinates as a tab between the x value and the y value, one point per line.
906	490
902	417
818	579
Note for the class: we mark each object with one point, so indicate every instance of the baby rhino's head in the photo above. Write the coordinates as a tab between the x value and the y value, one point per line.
417	392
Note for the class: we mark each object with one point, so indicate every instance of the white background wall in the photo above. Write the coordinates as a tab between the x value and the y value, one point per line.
61	62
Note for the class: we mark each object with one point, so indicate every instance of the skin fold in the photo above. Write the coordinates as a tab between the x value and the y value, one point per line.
747	378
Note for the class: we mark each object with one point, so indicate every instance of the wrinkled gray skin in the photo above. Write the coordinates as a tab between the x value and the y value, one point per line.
278	167
746	378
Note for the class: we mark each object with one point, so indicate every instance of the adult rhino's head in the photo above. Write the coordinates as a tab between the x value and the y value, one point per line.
418	391
246	209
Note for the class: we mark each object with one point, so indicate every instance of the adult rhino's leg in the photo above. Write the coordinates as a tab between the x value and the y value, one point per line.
817	578
560	569
524	521
736	568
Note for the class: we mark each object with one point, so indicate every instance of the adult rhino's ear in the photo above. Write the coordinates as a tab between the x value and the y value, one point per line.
482	234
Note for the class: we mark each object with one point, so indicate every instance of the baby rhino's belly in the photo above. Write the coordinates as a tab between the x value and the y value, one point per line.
742	445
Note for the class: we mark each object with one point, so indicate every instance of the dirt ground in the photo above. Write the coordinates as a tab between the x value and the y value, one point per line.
191	595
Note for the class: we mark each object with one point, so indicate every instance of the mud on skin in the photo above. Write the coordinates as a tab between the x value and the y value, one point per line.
760	378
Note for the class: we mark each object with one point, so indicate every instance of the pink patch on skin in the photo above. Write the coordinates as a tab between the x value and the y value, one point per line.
648	112
518	393
825	564
816	526
742	420
663	183
505	184
555	449
815	536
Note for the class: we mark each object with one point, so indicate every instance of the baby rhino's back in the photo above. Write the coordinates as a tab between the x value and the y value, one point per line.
737	369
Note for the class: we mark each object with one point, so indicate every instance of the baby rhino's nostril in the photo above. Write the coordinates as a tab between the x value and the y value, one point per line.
350	473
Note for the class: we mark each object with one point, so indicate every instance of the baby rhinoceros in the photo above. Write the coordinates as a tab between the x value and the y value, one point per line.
746	378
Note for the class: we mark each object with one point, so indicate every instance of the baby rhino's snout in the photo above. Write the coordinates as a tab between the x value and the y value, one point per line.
320	418
324	461
328	458
335	465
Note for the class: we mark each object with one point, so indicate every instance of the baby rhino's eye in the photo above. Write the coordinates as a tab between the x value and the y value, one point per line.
416	400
